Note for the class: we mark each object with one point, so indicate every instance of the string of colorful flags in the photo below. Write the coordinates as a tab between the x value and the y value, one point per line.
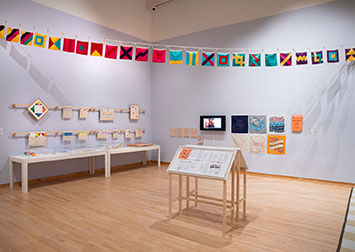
73	45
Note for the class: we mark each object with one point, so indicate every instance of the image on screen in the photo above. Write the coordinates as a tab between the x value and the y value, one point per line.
212	123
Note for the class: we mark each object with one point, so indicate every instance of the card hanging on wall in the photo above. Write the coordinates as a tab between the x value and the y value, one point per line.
82	136
67	113
102	134
194	133
172	132
138	133
134	112
127	134
297	123
37	109
83	113
107	115
37	139
67	136
200	140
257	144
276	144
277	124
115	135
257	124
179	132
187	133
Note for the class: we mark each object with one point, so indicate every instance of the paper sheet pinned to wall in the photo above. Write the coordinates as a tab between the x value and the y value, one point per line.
67	113
37	139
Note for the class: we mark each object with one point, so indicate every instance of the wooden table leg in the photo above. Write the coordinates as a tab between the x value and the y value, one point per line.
108	165
11	170
245	193
187	192
233	196
170	196
24	177
196	191
144	157
224	217
159	157
238	194
180	194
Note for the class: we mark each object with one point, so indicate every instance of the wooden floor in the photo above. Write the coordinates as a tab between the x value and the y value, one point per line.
128	212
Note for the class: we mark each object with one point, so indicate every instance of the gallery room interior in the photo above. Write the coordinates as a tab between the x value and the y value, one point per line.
177	125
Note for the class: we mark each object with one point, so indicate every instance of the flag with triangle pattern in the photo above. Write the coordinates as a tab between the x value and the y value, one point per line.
191	58
254	60
142	54
96	49
350	54
13	35
54	43
207	59
126	52
317	57
285	59
40	40
175	56
69	45
238	60
271	60
301	58
111	51
159	55
26	38
2	31
333	56
82	47
223	59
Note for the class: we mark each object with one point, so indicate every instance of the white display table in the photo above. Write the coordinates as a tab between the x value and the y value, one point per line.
26	160
130	150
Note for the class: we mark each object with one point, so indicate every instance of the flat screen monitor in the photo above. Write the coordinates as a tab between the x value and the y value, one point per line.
209	122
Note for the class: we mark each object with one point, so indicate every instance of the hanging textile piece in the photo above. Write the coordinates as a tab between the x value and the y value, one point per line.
276	144
96	49
142	53
111	52
301	58
207	59
238	59
54	43
26	38
2	31
175	56
317	57
159	55
40	40
285	59
271	60
82	47
69	45
126	52
350	54
223	59
333	56
13	35
191	58
254	60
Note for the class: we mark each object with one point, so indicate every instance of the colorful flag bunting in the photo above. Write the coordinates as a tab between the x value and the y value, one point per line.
317	57
142	53
96	49
333	56
54	43
285	59
159	55
238	59
2	31
350	54
26	38
111	51
191	58
40	40
207	59
69	45
175	56
13	35
301	58
222	59
82	47
271	60
126	52
254	60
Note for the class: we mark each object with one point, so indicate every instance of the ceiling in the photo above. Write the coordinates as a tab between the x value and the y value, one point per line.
176	17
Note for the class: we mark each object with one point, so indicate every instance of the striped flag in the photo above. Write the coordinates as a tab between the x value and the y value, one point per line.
191	58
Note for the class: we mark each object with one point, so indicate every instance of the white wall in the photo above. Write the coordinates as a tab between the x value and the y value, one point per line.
60	78
324	94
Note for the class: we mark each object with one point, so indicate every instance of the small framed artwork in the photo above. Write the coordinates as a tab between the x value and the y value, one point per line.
83	136
172	132
187	133
194	133
107	115
127	134
37	109
179	132
134	112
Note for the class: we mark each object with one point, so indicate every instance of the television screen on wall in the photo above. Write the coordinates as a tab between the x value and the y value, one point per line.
217	122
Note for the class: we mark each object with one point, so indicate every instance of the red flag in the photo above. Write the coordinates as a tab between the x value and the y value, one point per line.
142	54
82	47
111	52
126	52
69	45
96	49
159	55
